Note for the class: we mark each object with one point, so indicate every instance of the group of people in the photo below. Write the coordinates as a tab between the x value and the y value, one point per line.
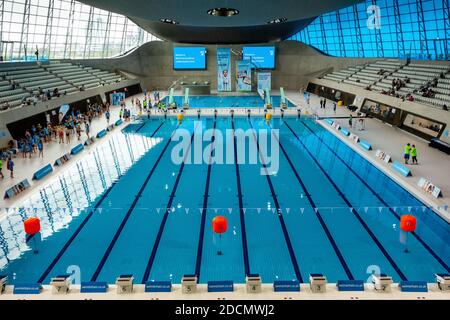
427	91
398	83
323	104
34	139
410	151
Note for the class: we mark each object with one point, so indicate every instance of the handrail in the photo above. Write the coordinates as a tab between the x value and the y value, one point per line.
175	83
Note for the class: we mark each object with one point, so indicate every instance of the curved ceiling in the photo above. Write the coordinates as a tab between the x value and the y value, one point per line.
195	25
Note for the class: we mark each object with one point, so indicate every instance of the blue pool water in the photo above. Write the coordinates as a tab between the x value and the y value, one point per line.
227	101
327	210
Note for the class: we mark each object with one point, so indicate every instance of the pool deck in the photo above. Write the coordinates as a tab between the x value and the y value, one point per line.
239	293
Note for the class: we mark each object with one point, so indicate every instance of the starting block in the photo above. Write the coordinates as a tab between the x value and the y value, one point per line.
124	283
443	281
253	283
61	284
382	282
189	283
3	280
318	283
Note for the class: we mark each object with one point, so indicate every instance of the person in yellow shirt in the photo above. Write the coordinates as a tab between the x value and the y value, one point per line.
414	154
407	152
1	167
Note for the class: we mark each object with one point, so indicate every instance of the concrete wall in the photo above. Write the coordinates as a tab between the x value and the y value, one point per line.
18	113
296	64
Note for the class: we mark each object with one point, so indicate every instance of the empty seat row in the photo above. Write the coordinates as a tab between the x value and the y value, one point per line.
25	72
444	97
430	101
47	86
14	97
17	68
359	84
431	66
11	92
26	81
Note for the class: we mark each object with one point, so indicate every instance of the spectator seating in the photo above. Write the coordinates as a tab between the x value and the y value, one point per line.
378	76
30	77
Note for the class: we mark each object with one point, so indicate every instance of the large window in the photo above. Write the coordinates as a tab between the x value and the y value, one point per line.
64	29
384	28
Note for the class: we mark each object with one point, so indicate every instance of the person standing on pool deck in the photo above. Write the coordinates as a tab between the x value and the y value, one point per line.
40	146
407	152
350	121
334	107
107	117
414	154
87	129
10	166
1	167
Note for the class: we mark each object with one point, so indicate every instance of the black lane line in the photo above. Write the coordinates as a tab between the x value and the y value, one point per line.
352	209
280	216
130	210
204	209
426	246
241	205
318	214
80	227
138	129
151	260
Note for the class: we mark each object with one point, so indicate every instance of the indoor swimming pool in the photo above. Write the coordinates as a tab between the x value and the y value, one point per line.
250	101
127	208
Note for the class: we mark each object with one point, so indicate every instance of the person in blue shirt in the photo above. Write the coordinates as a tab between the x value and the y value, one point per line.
46	134
10	166
40	146
30	147
107	116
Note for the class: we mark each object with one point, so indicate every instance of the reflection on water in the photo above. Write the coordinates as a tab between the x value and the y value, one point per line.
71	193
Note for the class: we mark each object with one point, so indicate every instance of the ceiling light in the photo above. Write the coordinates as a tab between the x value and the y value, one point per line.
277	20
223	12
170	21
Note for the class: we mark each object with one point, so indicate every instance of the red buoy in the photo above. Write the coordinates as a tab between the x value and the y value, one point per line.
219	224
408	223
32	225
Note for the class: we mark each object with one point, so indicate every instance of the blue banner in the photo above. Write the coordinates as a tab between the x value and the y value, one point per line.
350	285
27	288
286	286
63	111
413	286
158	286
94	287
117	98
220	286
264	82
244	76
223	69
